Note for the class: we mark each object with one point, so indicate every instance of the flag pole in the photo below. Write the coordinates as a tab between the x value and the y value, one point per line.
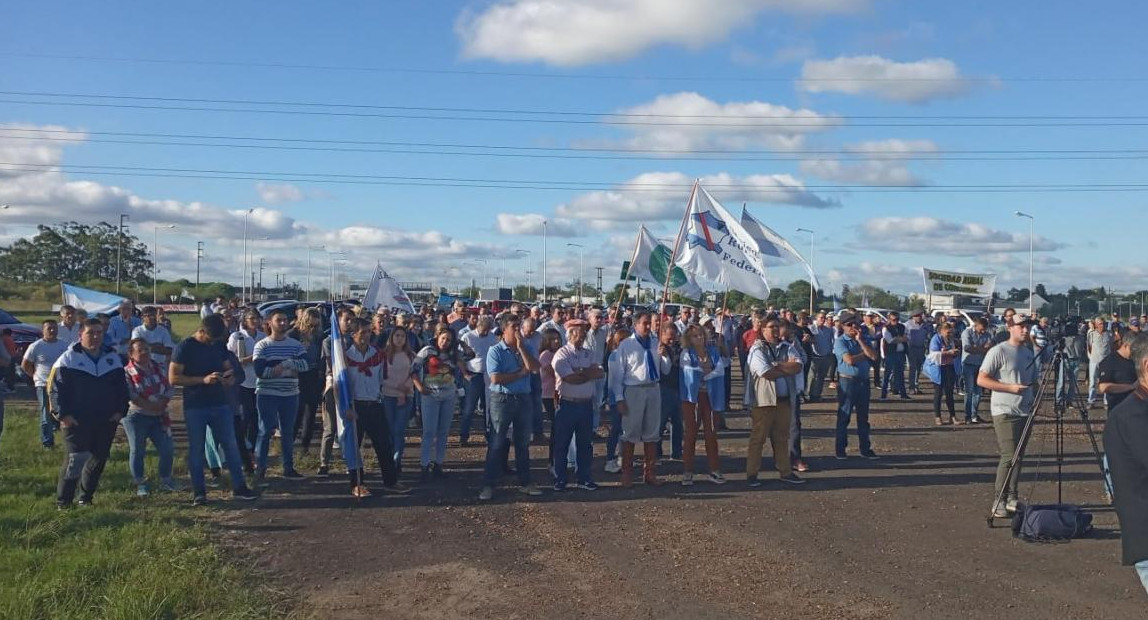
674	252
626	278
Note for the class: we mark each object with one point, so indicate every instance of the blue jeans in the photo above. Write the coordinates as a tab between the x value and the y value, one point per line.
475	393
536	404
853	396
220	420
1094	381
895	371
972	390
795	429
916	360
139	429
672	413
573	420
397	419
48	424
508	410
275	412
438	411
1066	381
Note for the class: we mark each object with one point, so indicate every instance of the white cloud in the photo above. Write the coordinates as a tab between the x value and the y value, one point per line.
656	196
580	32
688	121
275	193
31	148
887	166
930	235
907	82
536	225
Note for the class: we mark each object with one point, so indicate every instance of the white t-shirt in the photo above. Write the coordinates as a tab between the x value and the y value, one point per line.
43	354
159	336
248	350
69	334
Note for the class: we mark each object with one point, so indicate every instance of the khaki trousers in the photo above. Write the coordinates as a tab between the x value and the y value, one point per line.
771	422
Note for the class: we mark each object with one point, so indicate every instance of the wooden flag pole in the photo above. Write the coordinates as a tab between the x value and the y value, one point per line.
674	252
626	279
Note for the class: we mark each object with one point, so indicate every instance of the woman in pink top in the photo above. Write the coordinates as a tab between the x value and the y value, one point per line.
398	390
549	344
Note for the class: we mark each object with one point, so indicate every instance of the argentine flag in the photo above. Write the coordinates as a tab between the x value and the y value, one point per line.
341	383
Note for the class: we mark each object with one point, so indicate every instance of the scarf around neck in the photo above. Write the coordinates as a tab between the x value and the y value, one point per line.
651	364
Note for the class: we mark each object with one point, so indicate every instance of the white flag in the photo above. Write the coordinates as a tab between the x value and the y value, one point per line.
186	294
716	247
650	261
384	291
775	250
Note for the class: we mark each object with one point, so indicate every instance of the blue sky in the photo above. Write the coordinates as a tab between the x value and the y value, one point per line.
836	67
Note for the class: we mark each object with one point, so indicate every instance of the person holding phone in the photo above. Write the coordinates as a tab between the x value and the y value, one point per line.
201	366
278	361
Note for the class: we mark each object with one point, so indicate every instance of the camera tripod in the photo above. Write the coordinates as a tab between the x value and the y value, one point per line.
1058	379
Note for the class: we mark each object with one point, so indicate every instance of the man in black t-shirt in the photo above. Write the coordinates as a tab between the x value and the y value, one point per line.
201	365
1126	444
1117	375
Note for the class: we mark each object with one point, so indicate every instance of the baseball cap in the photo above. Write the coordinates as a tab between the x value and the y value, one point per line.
577	323
1134	322
1023	319
847	318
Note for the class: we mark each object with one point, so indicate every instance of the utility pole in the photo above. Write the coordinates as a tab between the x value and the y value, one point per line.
262	262
600	298
120	248
198	258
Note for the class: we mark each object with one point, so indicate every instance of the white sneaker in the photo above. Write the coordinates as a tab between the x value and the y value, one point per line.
613	466
687	479
1000	511
487	494
717	478
1011	506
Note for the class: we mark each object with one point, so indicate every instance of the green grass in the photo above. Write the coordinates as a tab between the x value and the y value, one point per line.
124	558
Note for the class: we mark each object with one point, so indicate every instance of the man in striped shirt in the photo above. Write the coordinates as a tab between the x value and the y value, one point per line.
278	361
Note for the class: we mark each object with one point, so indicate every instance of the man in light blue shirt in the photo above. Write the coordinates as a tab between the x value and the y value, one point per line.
854	357
120	328
510	364
822	359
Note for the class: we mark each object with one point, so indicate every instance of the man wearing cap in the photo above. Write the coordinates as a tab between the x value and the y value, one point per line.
853	359
1009	371
894	343
576	370
917	334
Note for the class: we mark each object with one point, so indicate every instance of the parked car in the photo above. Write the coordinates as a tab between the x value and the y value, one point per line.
23	334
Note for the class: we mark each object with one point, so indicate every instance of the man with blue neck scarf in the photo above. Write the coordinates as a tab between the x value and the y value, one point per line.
635	368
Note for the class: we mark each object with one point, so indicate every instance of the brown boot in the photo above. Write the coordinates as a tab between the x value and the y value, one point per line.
650	450
627	464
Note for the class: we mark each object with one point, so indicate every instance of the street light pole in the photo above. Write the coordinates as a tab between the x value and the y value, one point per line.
198	257
309	248
155	259
1031	291
243	269
120	248
811	272
580	273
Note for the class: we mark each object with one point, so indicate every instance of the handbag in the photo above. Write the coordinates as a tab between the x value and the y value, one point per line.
1050	522
764	392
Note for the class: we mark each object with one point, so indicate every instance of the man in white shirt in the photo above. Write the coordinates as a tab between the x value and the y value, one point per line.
156	335
68	327
38	361
576	371
633	377
557	318
478	341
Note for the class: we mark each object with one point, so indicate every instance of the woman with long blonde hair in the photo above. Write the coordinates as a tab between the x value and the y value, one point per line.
702	385
308	331
398	389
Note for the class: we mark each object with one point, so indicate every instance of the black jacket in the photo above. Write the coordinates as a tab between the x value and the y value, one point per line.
1126	444
86	389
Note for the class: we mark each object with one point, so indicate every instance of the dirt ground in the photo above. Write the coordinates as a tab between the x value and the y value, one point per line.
904	537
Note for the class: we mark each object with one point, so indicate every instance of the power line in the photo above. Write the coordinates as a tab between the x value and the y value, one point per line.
556	75
551	184
828	122
307	145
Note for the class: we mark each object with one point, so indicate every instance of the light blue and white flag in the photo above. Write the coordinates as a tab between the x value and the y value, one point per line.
94	302
348	441
774	248
716	247
384	292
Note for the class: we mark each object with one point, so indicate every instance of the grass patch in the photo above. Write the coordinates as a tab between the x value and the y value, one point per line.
183	324
124	558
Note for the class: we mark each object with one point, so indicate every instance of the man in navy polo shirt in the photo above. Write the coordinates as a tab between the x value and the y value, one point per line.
509	364
854	356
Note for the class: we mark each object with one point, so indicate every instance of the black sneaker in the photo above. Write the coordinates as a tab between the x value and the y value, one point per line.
85	503
397	488
752	482
559	487
199	500
62	506
291	474
425	473
437	470
871	455
322	472
792	479
840	456
244	493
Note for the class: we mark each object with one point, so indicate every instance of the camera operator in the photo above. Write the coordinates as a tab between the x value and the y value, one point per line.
1009	370
1075	349
1126	444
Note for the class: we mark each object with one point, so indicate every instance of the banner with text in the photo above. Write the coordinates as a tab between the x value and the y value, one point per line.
955	283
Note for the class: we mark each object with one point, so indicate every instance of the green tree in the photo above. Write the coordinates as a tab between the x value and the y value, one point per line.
74	252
